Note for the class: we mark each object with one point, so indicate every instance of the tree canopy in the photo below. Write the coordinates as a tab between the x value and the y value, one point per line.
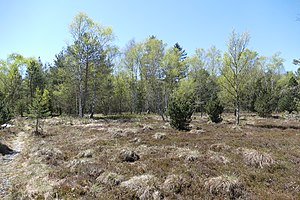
92	75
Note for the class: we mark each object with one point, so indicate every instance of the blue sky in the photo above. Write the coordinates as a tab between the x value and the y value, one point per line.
41	28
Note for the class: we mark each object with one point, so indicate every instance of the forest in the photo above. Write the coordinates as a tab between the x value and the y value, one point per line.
148	121
92	75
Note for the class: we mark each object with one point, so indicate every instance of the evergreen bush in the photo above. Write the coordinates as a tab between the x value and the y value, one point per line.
214	109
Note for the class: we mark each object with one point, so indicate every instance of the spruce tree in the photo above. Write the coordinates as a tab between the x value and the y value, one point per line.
39	108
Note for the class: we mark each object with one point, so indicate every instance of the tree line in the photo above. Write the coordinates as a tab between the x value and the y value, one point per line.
92	75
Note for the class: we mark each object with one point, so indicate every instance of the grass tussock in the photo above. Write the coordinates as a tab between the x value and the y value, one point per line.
256	159
175	183
225	185
117	157
110	178
128	156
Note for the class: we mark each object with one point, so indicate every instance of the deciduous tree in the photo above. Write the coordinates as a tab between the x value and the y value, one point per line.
237	62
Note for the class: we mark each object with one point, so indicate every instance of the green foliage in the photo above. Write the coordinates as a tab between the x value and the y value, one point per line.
292	82
141	96
4	113
39	107
181	107
214	109
263	104
40	104
290	96
121	91
287	103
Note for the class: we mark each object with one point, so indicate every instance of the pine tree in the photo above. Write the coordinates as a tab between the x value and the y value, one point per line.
39	108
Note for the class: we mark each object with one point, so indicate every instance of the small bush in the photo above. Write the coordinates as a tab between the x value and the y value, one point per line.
181	109
4	113
263	105
214	109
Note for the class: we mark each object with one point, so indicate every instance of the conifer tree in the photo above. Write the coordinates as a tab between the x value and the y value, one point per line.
39	108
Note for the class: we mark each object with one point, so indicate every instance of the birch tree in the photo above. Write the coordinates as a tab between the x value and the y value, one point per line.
91	51
236	63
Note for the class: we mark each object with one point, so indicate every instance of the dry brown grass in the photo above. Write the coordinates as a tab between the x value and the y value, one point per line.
219	147
256	159
145	186
225	185
110	178
160	136
88	159
175	183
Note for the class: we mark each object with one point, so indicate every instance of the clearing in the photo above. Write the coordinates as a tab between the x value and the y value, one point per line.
142	157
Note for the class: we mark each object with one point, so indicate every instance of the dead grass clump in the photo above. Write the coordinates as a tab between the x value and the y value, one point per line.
149	193
138	182
76	163
51	155
256	159
136	140
39	188
191	158
197	130
117	132
225	185
86	154
54	121
219	147
160	136
92	169
145	187
217	157
187	154
147	128
110	178
175	183
128	156
131	131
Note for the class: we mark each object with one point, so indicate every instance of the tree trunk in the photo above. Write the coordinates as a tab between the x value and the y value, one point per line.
162	115
237	117
80	107
37	125
93	99
85	86
237	101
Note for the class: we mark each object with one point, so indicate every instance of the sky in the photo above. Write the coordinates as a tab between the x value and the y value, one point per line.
37	28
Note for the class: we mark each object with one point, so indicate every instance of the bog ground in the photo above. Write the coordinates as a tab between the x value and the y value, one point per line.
142	157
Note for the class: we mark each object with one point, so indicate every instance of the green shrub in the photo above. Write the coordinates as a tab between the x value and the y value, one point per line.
181	107
4	113
263	105
214	109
